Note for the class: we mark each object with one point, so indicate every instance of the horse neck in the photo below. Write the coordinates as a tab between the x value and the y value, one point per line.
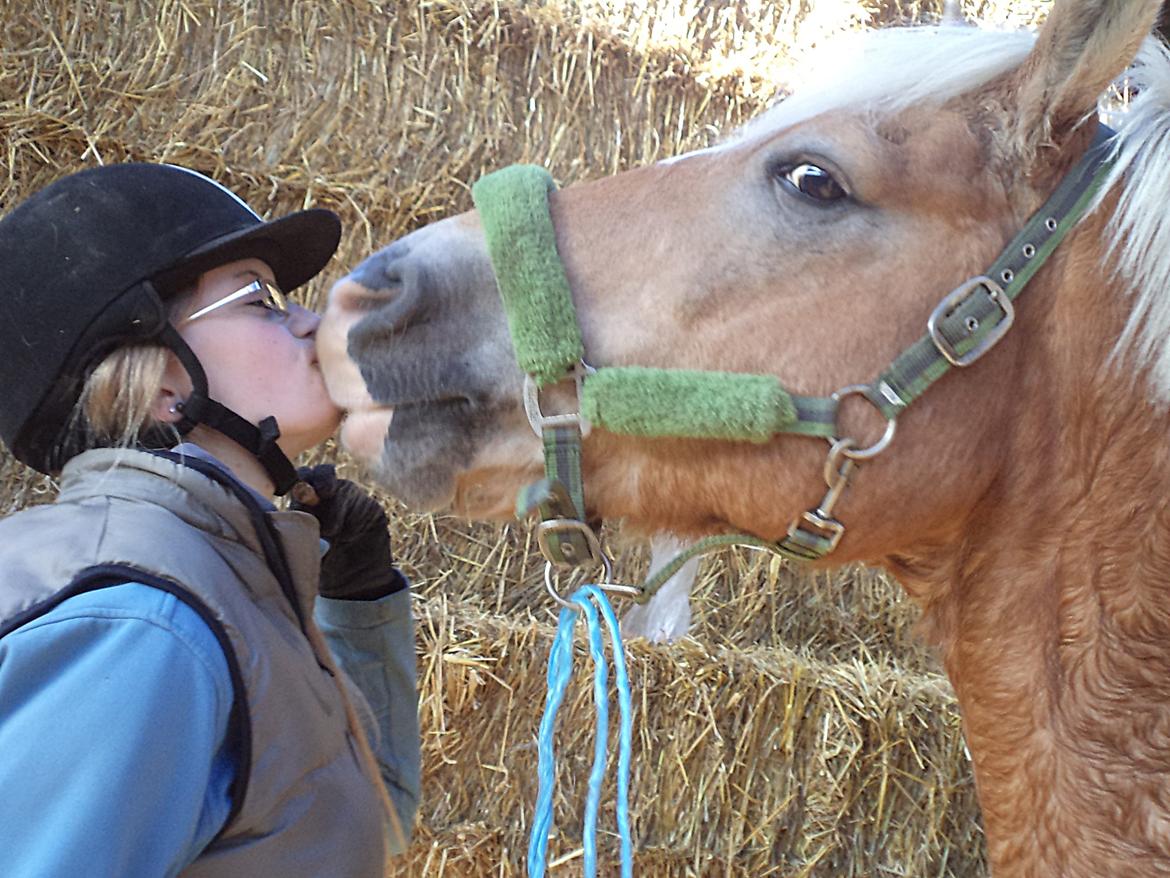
1053	608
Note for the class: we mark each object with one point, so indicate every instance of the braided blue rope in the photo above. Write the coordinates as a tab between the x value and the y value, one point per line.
625	730
560	667
601	736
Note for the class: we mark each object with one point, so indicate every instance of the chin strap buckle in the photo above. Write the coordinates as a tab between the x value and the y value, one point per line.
269	433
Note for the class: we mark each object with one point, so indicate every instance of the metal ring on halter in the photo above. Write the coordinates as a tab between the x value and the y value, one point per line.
608	585
870	395
551	589
548	579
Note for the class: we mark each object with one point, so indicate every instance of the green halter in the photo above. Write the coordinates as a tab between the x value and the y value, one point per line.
631	400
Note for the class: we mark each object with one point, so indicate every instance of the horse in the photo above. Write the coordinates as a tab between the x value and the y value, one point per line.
1024	503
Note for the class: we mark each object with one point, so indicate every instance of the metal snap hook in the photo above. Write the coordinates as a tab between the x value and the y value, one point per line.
838	463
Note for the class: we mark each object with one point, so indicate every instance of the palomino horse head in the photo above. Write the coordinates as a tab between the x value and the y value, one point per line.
1023	502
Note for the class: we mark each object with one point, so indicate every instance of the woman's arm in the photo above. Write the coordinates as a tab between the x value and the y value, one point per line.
373	643
364	611
114	758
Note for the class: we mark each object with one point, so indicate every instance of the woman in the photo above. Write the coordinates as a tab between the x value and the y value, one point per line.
168	703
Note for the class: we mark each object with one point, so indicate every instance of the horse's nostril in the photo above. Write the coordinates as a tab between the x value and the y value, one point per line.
383	270
350	295
388	291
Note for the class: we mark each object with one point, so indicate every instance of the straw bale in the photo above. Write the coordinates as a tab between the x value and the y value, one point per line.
747	761
801	729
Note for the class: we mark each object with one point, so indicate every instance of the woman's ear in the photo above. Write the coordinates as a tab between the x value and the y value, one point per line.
173	389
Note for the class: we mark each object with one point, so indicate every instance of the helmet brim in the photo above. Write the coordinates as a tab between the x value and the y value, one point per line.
296	247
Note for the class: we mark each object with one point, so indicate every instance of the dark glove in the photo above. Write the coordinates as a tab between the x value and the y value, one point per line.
358	565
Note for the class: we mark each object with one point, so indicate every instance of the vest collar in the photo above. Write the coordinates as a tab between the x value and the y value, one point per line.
206	503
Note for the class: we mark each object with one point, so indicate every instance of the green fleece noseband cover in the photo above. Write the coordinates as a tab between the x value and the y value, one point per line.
513	206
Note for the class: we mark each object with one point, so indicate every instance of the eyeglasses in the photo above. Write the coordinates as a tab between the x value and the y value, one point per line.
270	297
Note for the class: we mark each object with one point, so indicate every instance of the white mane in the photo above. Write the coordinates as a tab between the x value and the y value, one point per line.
888	70
1141	224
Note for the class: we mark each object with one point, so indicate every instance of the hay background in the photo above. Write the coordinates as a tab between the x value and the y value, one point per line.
801	730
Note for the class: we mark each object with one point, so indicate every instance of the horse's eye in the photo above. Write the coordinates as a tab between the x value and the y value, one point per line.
812	182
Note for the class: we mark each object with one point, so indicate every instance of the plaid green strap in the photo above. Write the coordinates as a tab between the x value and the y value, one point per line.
562	464
563	535
815	416
975	316
802	548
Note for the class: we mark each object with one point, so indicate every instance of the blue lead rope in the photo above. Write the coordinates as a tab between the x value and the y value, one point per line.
560	669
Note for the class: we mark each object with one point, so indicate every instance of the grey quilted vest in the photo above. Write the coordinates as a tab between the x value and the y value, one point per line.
301	803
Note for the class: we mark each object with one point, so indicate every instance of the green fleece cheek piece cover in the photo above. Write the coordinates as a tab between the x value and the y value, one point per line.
695	405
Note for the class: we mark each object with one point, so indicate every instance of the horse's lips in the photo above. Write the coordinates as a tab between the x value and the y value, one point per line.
363	432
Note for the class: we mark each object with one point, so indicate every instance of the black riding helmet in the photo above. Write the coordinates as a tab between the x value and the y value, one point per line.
86	265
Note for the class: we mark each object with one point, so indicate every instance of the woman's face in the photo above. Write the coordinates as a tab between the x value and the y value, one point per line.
258	361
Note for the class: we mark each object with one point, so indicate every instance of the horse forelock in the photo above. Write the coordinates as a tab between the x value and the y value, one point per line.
885	71
1140	225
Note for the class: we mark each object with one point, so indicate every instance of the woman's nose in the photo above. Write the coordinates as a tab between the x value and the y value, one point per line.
302	322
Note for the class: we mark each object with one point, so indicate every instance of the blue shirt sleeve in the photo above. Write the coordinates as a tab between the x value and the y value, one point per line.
114	761
373	643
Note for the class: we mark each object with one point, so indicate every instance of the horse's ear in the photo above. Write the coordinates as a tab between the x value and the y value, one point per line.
1082	47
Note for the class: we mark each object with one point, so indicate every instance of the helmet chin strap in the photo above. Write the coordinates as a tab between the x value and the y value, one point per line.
199	408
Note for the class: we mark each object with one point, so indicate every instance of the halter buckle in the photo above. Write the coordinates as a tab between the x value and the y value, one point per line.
953	301
567	527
